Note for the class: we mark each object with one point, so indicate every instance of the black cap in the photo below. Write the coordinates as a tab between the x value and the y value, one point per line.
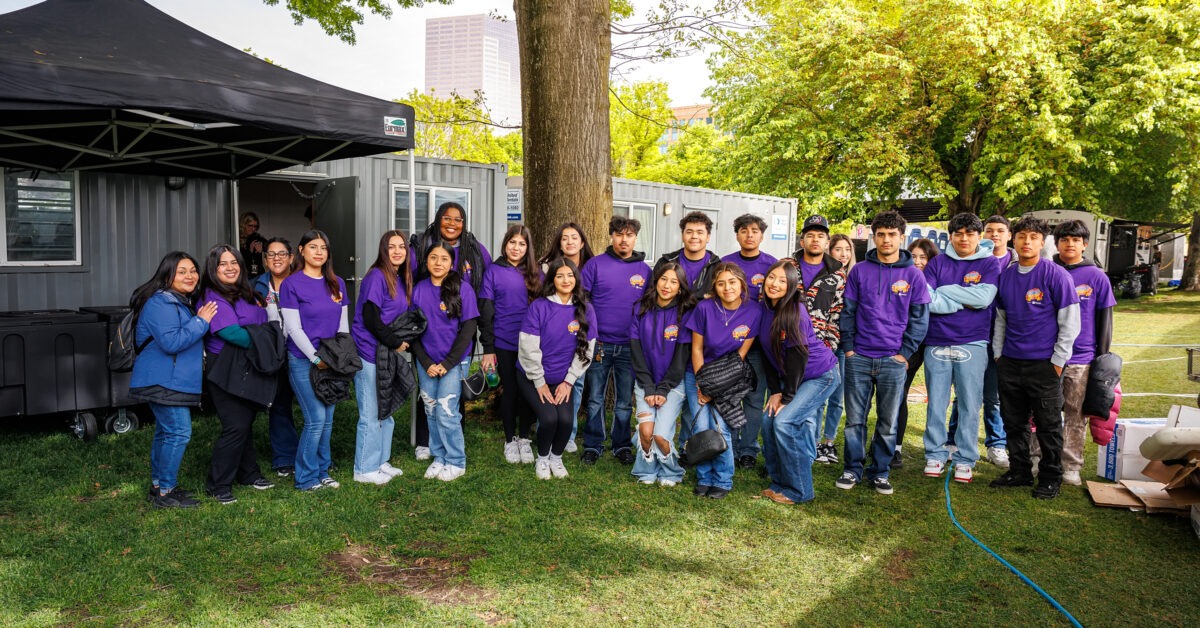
815	222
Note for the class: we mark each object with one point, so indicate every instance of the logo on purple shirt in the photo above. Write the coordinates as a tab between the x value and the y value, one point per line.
442	305
972	277
671	332
573	326
1034	297
637	281
901	287
757	280
741	332
1084	291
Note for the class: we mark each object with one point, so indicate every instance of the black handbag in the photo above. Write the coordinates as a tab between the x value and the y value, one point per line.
473	386
704	445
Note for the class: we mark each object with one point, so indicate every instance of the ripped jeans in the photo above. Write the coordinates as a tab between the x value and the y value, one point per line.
656	465
440	397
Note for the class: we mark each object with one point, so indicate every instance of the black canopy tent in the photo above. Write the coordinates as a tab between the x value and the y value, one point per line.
118	85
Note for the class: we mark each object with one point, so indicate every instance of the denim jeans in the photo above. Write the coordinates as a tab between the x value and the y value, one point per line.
883	377
312	453
717	472
576	400
440	396
373	440
172	431
281	425
655	465
616	361
690	410
993	424
745	440
790	437
964	367
833	410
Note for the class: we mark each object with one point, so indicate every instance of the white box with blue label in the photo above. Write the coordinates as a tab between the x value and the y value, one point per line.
1122	459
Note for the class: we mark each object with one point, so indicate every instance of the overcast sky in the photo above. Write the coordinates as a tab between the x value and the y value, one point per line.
389	59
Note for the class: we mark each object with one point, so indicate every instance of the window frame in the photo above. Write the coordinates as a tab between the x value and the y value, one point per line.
74	264
432	191
651	225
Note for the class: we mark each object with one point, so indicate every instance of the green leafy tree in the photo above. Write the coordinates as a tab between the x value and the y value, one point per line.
638	113
696	159
454	128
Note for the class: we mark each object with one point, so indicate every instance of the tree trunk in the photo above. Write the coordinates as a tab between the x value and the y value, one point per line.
1191	269
565	48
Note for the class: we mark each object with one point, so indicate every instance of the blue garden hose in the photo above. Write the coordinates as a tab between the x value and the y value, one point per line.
1023	577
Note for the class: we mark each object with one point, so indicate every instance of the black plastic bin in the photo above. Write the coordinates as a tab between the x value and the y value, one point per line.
52	361
118	388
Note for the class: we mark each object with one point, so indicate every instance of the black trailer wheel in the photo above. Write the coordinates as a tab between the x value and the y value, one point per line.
84	426
123	421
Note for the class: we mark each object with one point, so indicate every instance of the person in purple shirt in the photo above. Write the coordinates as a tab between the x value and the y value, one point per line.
962	284
444	354
313	304
754	263
802	373
1037	320
694	258
922	250
659	348
1095	335
556	338
614	281
825	295
720	324
510	284
884	321
384	294
227	284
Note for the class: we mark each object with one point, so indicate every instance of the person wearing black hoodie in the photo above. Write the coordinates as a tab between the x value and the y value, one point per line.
823	281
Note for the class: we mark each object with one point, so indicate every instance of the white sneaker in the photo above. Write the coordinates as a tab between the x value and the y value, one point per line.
933	468
998	456
512	451
525	450
541	468
557	467
1071	477
433	470
963	473
667	483
374	477
572	447
390	470
646	481
450	473
422	453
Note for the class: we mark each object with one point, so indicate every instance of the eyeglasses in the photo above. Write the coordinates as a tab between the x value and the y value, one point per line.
277	254
452	219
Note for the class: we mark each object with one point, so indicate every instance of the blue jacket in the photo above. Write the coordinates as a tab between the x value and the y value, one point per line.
174	359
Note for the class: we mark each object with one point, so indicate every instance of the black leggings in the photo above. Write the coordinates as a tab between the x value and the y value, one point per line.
554	421
914	365
514	410
233	456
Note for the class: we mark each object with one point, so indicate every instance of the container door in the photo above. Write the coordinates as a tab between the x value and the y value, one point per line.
334	213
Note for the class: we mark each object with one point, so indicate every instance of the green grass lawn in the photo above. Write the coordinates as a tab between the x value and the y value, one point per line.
80	545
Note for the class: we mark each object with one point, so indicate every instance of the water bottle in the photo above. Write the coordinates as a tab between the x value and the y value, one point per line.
493	378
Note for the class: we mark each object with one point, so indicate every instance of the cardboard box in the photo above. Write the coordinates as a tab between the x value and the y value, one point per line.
1122	459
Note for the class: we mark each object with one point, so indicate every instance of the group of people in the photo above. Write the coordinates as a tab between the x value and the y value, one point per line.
698	348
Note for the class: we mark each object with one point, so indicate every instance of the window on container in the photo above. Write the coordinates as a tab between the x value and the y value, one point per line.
428	199
644	213
40	226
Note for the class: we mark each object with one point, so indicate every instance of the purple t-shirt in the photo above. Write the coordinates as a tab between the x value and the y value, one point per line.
504	286
374	289
556	327
320	315
966	325
659	331
809	272
723	330
755	269
1095	293
692	269
820	357
240	313
1031	302
440	329
614	285
883	294
466	270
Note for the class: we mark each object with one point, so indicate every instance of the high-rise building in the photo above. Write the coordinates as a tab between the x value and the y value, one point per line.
469	53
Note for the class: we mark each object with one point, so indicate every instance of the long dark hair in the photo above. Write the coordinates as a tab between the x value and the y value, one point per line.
331	280
581	341
451	292
786	323
240	290
682	301
469	251
585	251
529	270
162	280
383	262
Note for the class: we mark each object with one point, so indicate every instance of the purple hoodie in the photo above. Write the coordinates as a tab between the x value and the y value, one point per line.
614	285
880	295
659	331
966	325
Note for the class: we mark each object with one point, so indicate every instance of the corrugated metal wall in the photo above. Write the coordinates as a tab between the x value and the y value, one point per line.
128	224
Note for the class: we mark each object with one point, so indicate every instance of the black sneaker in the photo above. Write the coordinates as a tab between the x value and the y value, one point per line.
285	472
223	497
590	456
1047	490
882	486
174	499
831	454
822	454
717	493
897	461
625	457
747	462
1011	479
261	484
702	490
846	481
